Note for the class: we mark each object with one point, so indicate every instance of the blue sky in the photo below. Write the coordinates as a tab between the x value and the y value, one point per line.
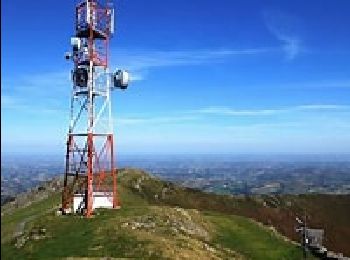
208	76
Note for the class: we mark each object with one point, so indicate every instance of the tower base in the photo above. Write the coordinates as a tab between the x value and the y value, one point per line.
100	200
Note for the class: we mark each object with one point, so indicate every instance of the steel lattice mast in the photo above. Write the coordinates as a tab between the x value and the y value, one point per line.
90	171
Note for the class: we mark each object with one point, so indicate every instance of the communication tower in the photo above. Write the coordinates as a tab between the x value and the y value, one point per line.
90	179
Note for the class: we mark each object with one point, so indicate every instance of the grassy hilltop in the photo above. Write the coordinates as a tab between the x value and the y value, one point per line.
157	220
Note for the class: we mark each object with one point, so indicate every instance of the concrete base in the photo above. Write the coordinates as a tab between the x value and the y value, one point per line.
100	200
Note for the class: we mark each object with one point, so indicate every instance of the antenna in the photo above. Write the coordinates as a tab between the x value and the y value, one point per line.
302	228
90	179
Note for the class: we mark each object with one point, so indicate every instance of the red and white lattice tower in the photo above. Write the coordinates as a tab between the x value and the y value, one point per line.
90	179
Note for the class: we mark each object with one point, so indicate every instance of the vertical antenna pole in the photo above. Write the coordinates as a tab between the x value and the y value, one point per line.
89	199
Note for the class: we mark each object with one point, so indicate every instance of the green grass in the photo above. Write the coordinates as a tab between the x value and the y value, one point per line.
250	239
73	236
9	222
78	237
34	208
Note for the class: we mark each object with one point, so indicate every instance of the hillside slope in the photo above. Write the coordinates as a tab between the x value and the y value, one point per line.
329	212
157	221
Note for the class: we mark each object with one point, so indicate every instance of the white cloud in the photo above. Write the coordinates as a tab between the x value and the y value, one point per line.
320	84
322	107
137	76
26	106
284	27
8	101
198	116
154	120
226	111
138	62
144	59
301	133
45	92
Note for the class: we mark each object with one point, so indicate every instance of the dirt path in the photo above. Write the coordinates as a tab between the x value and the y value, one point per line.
21	225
